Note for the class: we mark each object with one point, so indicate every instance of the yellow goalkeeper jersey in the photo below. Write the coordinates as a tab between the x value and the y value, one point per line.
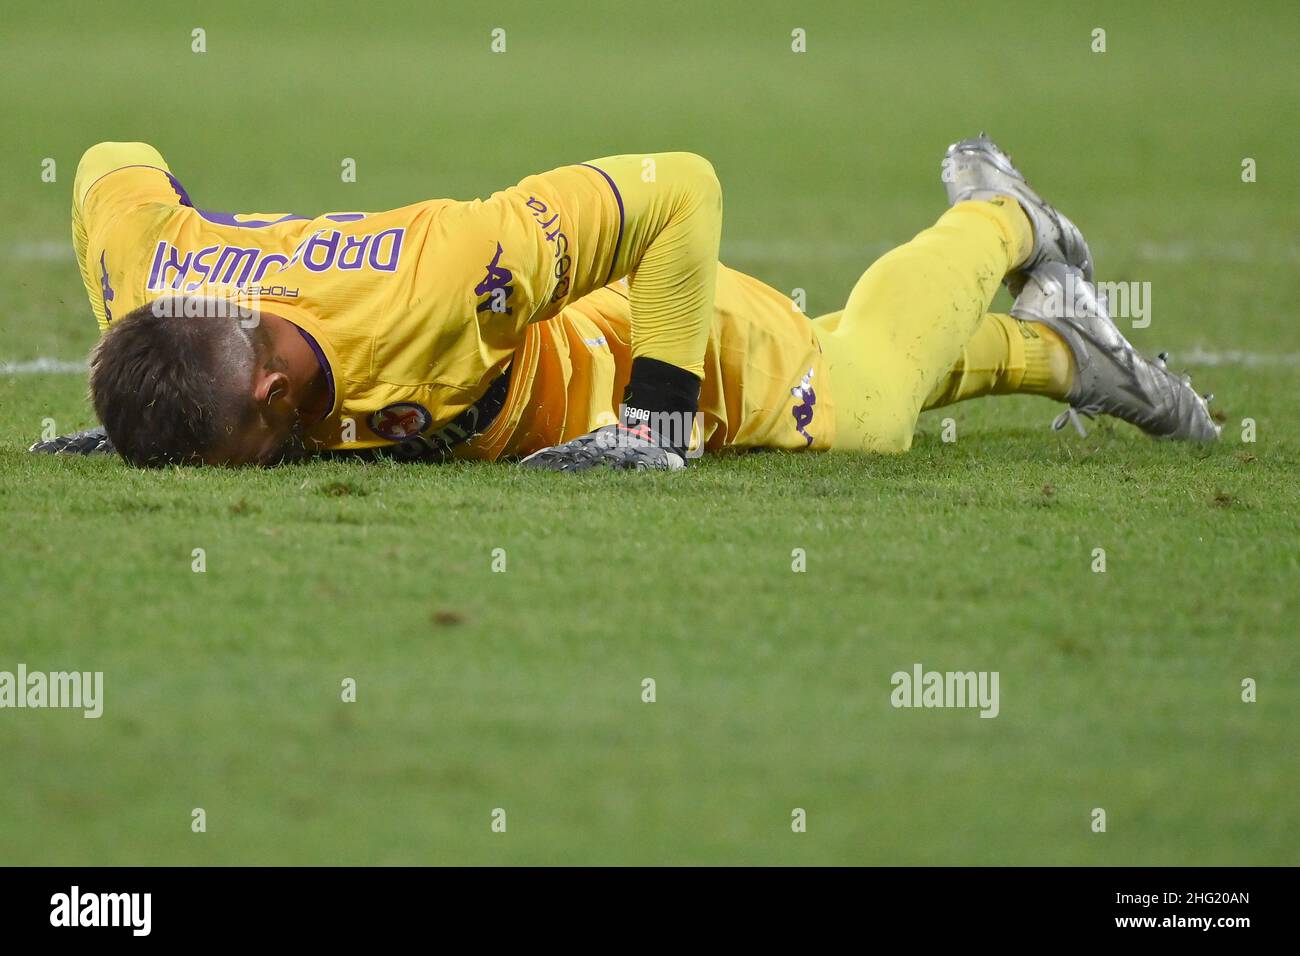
416	309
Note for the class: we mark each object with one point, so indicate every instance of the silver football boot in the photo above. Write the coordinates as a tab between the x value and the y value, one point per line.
1110	378
978	169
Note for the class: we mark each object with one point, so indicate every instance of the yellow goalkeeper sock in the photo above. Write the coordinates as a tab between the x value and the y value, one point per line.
1006	356
1049	363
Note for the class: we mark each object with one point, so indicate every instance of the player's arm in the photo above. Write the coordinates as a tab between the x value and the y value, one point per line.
663	236
111	179
671	227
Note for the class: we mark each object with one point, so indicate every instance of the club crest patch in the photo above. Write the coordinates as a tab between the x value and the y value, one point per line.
401	421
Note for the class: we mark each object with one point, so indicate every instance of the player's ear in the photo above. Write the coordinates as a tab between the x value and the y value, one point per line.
270	387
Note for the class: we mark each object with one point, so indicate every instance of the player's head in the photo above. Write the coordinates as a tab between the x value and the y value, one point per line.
188	380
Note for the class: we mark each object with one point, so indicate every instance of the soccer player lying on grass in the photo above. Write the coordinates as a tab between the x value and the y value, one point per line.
579	318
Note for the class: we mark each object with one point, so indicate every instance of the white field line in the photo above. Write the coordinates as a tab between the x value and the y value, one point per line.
43	366
1193	357
1199	356
48	250
1183	250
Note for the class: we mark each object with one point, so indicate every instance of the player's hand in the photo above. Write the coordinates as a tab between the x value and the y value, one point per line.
655	431
93	441
615	446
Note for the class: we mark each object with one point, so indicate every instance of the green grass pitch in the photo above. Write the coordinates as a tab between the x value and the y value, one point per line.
522	690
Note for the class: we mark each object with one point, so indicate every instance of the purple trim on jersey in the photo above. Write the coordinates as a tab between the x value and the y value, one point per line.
324	362
228	219
619	197
180	190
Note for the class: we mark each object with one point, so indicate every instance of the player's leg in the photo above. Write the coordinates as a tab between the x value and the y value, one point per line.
1059	342
910	317
1005	356
671	207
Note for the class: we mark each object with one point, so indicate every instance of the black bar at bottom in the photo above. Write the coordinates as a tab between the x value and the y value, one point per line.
334	906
